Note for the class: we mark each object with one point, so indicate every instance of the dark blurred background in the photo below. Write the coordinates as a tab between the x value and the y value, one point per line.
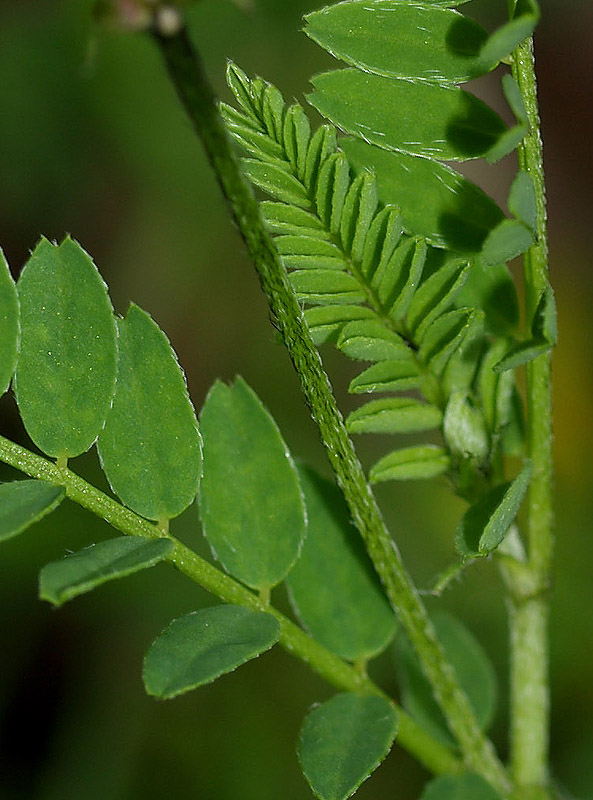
93	143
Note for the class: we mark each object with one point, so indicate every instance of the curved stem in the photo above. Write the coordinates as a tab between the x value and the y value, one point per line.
435	757
530	612
188	77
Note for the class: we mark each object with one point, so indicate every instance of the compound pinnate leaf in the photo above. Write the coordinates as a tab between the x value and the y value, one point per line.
86	569
411	463
24	502
486	523
250	499
199	647
433	44
150	446
343	741
333	587
9	325
394	415
322	286
436	201
473	669
459	787
66	370
419	119
276	182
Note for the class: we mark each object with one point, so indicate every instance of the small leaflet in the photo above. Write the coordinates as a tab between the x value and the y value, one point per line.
9	325
86	569
22	503
251	505
65	374
150	448
485	524
199	647
343	741
333	586
459	787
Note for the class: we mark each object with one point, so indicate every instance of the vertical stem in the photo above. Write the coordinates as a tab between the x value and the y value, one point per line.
529	614
188	77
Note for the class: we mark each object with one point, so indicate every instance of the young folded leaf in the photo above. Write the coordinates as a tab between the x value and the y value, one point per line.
251	504
485	524
464	428
419	119
200	647
86	569
333	586
9	325
411	463
23	503
394	415
66	370
459	787
474	673
388	376
150	446
433	44
343	741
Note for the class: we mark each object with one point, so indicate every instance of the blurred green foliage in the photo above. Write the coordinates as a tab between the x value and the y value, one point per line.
94	143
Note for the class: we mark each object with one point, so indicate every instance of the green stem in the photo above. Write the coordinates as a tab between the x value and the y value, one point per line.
435	757
529	615
188	77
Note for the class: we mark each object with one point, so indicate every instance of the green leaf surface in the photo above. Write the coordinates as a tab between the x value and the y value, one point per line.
522	200
343	741
472	667
322	286
436	201
199	647
459	787
411	463
296	135
381	240
333	587
418	119
544	335
507	241
66	370
277	182
86	569
503	41
9	325
436	294
370	340
492	289
326	322
394	415
150	446
282	218
23	503
250	500
387	376
433	44
485	524
444	337
360	207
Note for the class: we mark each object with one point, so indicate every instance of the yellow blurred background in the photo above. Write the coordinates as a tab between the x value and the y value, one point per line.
94	143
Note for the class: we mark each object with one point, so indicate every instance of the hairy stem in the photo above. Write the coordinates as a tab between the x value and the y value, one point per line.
529	615
435	757
188	77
